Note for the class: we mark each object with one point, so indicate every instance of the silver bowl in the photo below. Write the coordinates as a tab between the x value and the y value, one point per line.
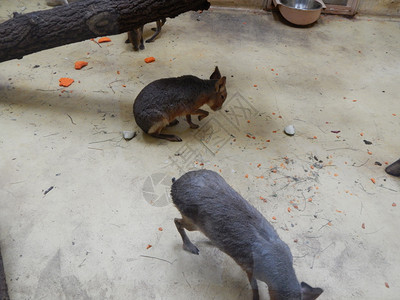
300	12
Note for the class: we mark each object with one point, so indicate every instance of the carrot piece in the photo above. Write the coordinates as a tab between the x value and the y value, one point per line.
160	229
369	152
65	81
362	134
363	226
80	64
336	174
387	284
104	40
289	209
246	176
273	218
315	137
394	204
149	59
255	85
149	246
373	180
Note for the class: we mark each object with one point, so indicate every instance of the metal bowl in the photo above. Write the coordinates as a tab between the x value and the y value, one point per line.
300	12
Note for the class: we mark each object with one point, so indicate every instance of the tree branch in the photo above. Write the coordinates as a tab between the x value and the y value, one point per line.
33	32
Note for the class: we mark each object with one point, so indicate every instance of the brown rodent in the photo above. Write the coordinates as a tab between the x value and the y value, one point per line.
135	37
207	203
162	101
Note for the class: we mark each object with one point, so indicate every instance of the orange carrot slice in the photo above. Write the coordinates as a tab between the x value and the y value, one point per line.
66	81
104	40
149	59
80	64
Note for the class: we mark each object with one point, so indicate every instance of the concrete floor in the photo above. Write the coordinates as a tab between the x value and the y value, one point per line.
89	237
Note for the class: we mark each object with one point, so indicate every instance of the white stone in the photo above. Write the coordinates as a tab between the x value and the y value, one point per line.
289	130
128	135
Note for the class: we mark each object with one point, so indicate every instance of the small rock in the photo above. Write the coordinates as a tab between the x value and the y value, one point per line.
128	135
367	142
289	130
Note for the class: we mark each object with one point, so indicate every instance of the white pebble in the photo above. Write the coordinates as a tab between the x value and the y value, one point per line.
289	130
128	135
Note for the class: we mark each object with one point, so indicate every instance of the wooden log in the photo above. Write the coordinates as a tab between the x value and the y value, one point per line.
33	32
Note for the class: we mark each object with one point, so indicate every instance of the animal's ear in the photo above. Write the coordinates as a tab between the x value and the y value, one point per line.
310	293
220	84
216	74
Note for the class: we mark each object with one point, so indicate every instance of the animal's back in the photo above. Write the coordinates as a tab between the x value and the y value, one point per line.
227	219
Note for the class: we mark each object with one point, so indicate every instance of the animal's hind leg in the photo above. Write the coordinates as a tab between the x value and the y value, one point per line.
158	30
155	131
173	123
254	286
169	137
181	225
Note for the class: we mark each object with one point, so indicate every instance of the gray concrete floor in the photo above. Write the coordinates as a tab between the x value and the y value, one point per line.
88	237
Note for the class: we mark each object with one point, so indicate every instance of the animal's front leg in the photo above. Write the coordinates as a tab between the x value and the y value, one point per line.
189	120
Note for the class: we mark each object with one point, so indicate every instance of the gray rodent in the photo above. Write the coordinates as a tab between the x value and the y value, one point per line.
208	204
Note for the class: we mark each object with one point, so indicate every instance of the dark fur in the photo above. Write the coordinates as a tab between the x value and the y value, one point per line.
135	37
163	100
394	168
207	203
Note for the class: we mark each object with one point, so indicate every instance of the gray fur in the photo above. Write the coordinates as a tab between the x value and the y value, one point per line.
394	168
207	203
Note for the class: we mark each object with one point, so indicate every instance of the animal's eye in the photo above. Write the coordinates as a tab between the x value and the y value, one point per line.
223	97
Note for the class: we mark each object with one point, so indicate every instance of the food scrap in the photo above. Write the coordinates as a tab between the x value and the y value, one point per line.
80	64
149	59
363	226
149	246
104	40
66	81
160	229
373	180
387	284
